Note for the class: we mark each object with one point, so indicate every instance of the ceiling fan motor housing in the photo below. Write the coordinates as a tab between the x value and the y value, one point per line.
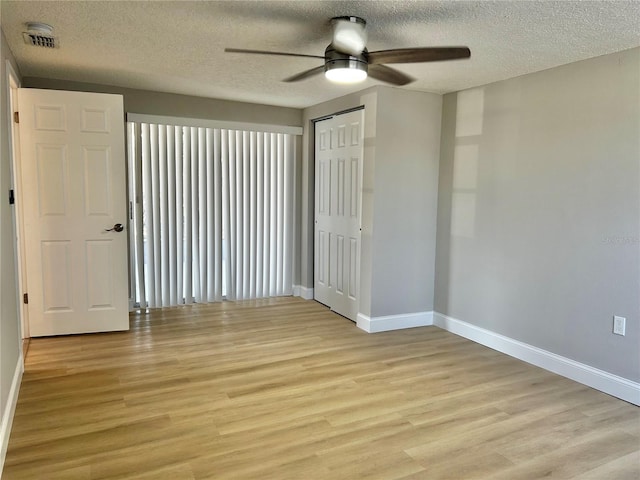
334	59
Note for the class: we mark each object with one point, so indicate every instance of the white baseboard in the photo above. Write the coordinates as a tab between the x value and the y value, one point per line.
599	379
9	411
303	292
394	322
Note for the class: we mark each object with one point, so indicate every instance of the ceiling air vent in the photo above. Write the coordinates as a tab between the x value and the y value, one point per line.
39	35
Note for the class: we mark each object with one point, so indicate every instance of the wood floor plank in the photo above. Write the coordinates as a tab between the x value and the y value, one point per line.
284	389
625	467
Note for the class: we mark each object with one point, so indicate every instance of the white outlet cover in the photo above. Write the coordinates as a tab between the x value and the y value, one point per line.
619	324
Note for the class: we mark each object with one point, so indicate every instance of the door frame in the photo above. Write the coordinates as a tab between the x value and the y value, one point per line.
312	130
12	86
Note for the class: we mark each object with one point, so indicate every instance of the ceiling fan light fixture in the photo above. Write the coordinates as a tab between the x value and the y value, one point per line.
344	68
347	60
354	72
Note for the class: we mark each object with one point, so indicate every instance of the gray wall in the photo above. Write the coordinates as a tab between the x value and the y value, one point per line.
157	103
405	201
10	333
539	210
400	180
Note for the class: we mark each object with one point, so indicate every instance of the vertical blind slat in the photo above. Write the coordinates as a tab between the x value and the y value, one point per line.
216	214
232	216
226	210
287	245
135	165
156	235
164	215
267	218
259	210
280	209
209	214
195	219
171	214
273	233
239	179
138	218
217	188
246	207
188	217
179	214
251	272
148	210
201	293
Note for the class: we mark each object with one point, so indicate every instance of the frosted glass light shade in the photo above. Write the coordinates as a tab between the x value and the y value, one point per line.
346	75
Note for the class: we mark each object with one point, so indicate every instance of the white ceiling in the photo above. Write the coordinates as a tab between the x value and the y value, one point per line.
177	46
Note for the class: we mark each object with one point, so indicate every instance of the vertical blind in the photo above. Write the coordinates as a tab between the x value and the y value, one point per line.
212	213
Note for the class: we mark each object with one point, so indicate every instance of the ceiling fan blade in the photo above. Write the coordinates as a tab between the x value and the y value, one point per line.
389	75
264	52
418	55
306	74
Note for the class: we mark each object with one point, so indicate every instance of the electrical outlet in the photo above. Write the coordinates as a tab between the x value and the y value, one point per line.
619	324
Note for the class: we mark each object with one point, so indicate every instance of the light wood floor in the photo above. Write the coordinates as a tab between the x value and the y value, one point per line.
291	391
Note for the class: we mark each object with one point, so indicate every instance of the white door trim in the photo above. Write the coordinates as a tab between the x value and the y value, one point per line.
12	86
338	166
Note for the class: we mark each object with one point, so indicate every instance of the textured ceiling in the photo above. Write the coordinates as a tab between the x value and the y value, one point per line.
178	46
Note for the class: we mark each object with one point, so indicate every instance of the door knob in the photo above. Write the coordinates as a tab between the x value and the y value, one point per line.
118	227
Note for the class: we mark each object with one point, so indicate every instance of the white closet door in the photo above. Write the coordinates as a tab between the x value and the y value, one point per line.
338	193
74	193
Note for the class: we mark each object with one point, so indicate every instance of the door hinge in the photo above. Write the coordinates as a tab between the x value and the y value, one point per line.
25	298
12	198
16	117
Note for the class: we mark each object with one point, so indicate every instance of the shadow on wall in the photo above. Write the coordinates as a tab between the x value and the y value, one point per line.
476	248
460	175
469	119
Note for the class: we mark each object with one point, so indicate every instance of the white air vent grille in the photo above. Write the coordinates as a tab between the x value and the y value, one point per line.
39	34
38	40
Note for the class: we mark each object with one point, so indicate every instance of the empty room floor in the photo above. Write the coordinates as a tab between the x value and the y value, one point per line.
285	389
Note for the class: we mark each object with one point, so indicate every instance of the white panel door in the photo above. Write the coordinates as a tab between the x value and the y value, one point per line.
338	185
74	193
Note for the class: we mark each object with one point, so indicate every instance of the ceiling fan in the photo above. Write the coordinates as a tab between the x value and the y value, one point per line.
347	60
